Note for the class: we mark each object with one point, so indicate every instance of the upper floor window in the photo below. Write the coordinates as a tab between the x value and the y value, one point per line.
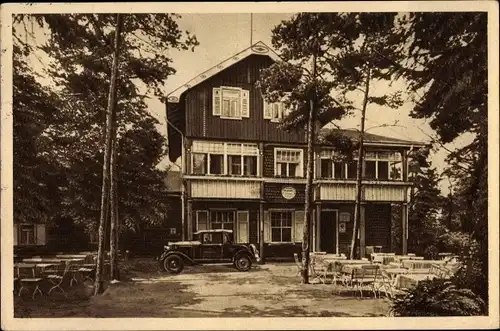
378	165
288	162
383	165
230	102
216	158
274	111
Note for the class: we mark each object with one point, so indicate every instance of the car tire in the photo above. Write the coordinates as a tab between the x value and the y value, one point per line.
242	262
173	264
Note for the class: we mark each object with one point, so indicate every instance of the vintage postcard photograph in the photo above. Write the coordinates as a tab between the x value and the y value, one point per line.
302	165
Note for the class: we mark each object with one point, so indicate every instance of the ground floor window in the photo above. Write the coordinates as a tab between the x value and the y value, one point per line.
27	234
281	226
222	219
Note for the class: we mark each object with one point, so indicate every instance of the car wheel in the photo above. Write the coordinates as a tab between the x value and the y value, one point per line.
173	264
243	262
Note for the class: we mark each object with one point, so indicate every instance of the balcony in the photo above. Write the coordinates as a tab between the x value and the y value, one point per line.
225	187
342	190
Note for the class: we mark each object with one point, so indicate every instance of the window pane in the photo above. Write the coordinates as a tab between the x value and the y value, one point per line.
216	225
250	165
396	173
292	170
339	170
199	164
275	220
225	108
276	234
286	234
383	170
286	219
281	169
276	111
384	155
326	168
352	169
216	164
370	169
234	164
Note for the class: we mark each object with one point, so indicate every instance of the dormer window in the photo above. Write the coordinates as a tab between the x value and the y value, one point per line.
230	102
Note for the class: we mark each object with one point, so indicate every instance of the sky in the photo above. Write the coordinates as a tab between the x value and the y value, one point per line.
223	35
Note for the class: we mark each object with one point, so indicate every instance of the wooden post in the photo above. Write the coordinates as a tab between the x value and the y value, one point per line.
261	231
189	229
404	228
317	222
362	231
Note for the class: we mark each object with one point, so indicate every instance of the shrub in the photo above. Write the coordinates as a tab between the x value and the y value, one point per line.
438	297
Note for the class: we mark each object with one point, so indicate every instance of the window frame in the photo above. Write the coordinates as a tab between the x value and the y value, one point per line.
20	234
226	211
225	158
300	167
291	227
375	158
240	101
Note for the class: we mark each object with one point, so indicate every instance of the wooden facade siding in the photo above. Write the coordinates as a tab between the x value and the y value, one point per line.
243	74
385	193
221	188
347	192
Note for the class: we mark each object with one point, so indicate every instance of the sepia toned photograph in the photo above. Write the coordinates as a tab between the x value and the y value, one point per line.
272	161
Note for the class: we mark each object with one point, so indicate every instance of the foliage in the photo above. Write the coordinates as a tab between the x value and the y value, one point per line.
424	214
36	180
80	47
438	297
445	64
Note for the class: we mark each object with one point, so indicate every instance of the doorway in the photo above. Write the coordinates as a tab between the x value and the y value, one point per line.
328	234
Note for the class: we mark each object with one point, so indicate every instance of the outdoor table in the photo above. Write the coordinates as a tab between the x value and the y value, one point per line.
345	262
421	264
394	272
410	280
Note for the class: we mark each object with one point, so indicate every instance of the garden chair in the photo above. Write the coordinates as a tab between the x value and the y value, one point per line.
384	283
57	279
317	268
298	263
365	275
27	277
88	270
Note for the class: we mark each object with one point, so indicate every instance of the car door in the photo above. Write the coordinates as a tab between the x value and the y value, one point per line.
211	248
227	248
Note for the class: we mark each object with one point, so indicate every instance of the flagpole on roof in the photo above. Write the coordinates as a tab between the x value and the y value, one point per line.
251	29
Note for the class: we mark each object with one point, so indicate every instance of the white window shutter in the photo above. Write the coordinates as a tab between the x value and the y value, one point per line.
267	110
298	226
216	101
242	231
245	103
267	227
201	220
40	234
16	230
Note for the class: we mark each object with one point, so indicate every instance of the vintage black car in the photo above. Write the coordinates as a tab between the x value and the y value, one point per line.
208	246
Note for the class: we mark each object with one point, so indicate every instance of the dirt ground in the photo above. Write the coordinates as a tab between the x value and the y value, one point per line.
270	290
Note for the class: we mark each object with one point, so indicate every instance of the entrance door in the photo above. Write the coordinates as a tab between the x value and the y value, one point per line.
328	231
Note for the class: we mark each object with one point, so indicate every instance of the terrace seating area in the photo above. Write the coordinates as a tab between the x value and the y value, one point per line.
43	275
381	273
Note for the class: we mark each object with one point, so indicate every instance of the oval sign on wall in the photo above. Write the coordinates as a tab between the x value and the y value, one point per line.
288	192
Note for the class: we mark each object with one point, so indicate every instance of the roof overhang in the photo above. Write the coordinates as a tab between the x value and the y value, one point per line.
258	48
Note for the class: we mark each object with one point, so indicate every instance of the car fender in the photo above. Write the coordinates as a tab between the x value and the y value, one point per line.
184	257
240	252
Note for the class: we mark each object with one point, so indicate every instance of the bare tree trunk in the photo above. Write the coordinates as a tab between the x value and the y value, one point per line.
107	159
360	167
113	240
309	178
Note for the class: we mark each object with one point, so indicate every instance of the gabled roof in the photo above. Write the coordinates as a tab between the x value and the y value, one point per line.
258	48
372	139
